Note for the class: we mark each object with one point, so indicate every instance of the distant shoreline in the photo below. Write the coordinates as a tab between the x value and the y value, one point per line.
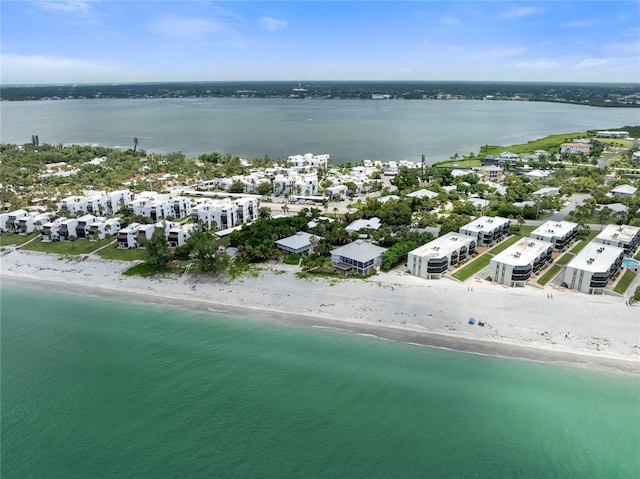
388	306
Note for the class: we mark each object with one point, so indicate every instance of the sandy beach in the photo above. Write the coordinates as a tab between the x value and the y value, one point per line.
549	324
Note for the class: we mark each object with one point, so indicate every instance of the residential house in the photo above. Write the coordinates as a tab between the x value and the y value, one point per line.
300	242
358	256
364	224
28	224
624	190
575	148
178	235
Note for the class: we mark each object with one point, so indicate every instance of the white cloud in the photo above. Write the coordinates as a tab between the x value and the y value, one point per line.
539	65
272	24
591	62
79	7
450	21
54	69
517	12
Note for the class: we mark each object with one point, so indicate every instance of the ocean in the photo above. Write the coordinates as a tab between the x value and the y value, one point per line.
98	388
348	130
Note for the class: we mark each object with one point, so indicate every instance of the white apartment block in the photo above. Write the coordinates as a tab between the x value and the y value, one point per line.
104	227
487	230
226	213
74	204
515	265
432	260
67	229
592	268
28	224
9	221
127	236
309	160
50	230
620	236
178	235
559	233
83	225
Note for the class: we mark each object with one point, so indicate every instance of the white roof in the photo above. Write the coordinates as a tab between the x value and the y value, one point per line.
422	193
523	252
595	257
370	224
359	251
554	229
618	233
616	207
443	246
479	202
549	190
486	223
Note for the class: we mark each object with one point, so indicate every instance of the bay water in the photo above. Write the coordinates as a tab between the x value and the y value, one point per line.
99	388
348	130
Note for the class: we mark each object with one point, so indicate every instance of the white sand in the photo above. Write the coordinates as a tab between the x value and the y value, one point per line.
524	322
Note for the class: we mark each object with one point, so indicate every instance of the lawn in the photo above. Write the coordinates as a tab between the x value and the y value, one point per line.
118	254
525	230
482	261
15	239
624	282
578	247
565	258
549	275
79	246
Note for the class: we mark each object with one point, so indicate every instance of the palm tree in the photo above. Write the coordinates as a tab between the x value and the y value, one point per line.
335	212
285	209
135	144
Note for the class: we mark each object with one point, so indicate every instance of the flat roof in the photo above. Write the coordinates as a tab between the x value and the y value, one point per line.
523	252
486	223
443	246
595	257
371	224
624	233
554	229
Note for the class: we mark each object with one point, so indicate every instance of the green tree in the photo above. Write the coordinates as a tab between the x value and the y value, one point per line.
135	144
158	252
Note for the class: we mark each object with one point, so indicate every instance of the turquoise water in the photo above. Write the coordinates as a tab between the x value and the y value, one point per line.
632	263
95	388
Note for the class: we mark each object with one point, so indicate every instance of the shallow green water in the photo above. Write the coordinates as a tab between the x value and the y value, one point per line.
92	388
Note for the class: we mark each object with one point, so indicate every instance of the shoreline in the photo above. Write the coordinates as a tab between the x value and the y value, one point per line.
389	306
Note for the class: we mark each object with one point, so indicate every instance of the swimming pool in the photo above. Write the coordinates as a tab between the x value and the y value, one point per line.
630	263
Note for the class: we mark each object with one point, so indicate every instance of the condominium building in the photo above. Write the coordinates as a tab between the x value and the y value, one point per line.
432	260
487	230
360	256
621	236
593	267
515	265
558	233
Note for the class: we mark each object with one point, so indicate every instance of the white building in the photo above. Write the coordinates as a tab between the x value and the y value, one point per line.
105	226
364	224
558	233
127	236
74	204
515	265
178	235
487	230
336	192
620	236
226	213
28	224
50	230
432	260
612	134
9	221
592	268
83	225
359	256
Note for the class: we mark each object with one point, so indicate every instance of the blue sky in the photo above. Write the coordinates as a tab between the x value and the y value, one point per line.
76	41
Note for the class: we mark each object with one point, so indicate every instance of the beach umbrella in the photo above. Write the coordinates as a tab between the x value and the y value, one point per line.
472	320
